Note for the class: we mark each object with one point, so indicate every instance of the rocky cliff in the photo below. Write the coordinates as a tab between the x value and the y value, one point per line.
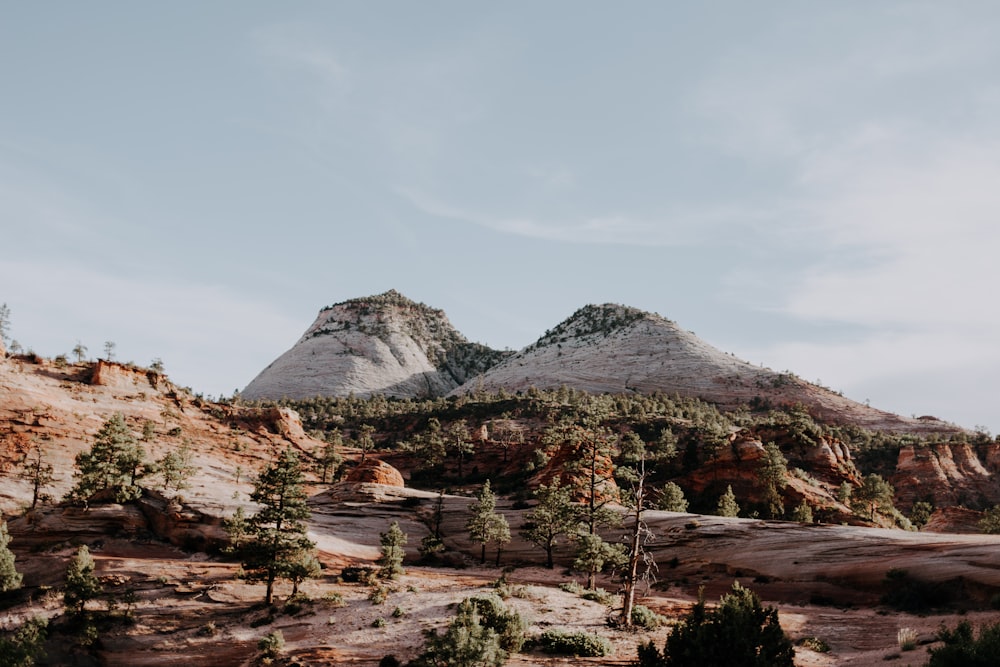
617	349
381	344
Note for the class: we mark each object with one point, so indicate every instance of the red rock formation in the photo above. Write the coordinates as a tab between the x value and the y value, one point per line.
373	471
122	376
946	474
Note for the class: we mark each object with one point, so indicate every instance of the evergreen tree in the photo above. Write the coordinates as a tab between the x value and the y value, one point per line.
484	526
80	352
458	442
391	560
10	578
328	460
737	633
82	584
672	498
553	517
25	647
727	504
466	643
176	468
594	555
302	566
772	474
803	513
499	530
4	325
366	442
276	535
114	462
874	496
41	475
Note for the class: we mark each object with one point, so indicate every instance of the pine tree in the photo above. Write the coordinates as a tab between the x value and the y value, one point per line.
41	475
737	633
499	533
176	467
328	459
114	462
302	566
552	517
391	561
276	535
458	442
593	555
672	498
484	526
82	584
872	497
727	504
10	578
772	473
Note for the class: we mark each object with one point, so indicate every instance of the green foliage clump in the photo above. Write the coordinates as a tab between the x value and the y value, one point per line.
583	644
276	544
990	523
802	513
82	584
962	649
645	618
672	499
391	560
115	461
468	642
272	644
10	578
25	646
727	504
507	623
737	633
921	513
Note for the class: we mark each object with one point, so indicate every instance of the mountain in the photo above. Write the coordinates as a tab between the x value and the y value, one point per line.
611	348
384	344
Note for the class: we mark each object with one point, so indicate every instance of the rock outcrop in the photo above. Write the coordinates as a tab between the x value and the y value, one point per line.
374	471
617	349
953	473
381	344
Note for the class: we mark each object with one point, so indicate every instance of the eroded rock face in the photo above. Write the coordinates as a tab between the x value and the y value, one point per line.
121	376
373	471
947	474
382	344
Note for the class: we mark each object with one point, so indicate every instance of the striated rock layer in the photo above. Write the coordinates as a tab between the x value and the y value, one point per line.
617	349
381	344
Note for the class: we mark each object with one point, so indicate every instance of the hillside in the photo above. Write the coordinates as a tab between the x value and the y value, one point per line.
616	349
189	606
380	344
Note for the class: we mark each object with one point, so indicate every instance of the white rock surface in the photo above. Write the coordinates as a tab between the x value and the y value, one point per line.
383	344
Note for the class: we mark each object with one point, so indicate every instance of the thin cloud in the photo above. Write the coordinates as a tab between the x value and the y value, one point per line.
683	228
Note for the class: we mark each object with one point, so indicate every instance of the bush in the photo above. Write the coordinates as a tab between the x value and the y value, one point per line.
814	644
961	650
645	618
737	633
271	645
581	644
355	574
507	623
466	643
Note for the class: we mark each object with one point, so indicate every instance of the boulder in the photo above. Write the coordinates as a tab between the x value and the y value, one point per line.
374	471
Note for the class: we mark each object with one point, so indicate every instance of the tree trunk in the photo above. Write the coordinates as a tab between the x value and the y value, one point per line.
482	556
499	551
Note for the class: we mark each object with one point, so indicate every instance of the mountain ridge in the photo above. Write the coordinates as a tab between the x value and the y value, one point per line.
389	344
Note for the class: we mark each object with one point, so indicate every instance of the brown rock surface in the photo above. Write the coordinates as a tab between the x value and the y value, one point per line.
374	471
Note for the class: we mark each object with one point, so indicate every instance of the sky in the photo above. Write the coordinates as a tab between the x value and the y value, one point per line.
811	186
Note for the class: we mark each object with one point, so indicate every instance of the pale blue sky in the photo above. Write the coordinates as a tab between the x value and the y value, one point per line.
813	186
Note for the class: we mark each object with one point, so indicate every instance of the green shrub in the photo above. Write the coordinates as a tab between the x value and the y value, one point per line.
466	643
962	650
581	644
378	622
507	623
378	594
645	618
737	633
271	645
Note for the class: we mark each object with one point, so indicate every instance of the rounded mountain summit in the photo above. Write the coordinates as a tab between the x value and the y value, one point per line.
387	344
